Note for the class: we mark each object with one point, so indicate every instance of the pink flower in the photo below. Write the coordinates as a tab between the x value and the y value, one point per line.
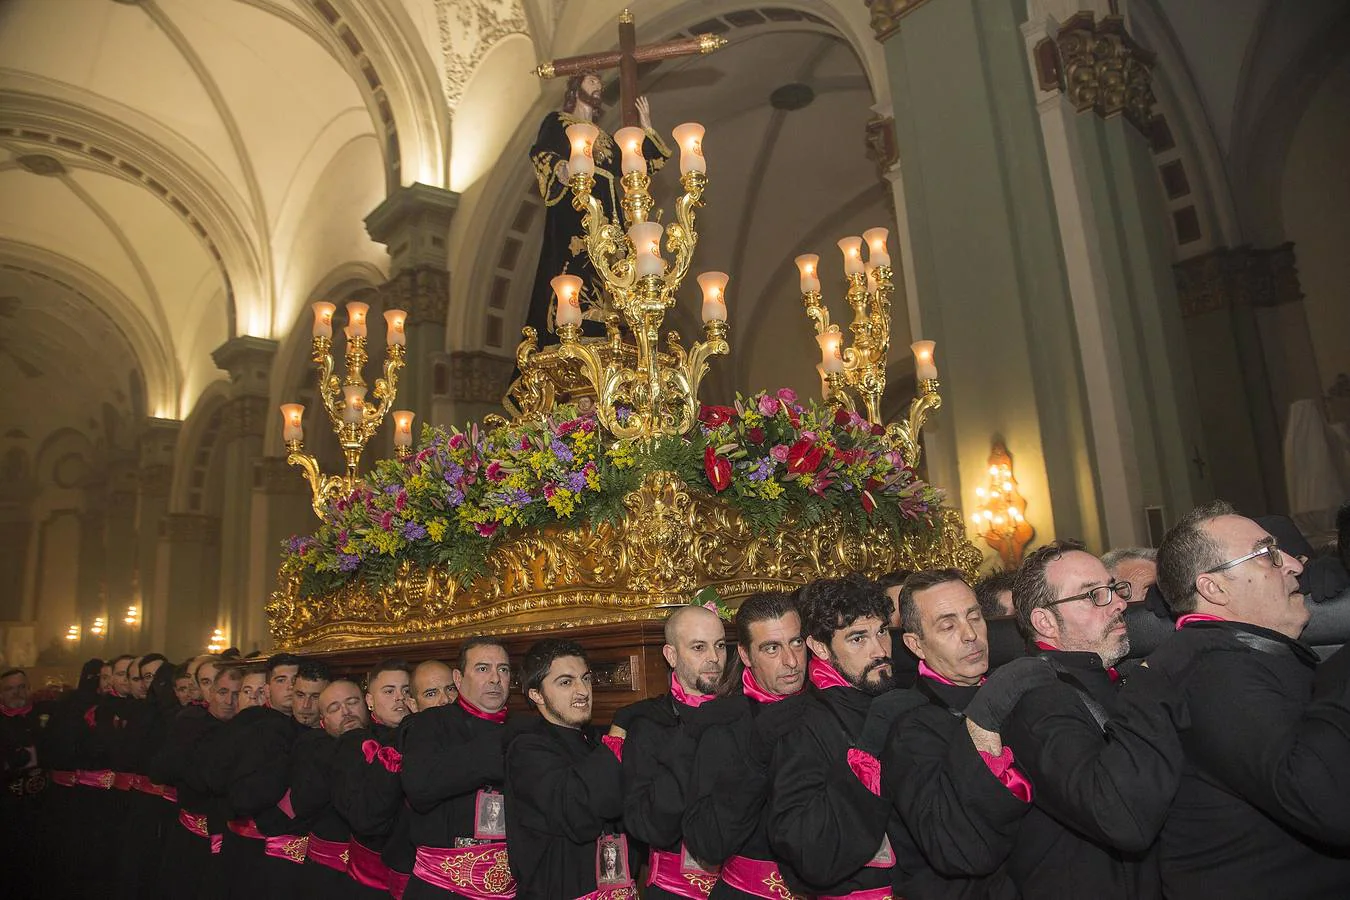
401	500
456	441
524	442
549	490
779	452
494	471
487	529
387	521
787	395
768	405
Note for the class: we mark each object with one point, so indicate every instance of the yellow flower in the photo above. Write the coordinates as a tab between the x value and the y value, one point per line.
563	502
622	455
770	489
437	528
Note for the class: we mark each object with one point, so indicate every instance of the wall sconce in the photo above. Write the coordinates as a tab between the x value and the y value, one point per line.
217	644
133	616
100	627
1000	517
73	633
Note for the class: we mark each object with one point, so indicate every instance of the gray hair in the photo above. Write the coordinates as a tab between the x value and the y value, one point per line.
1113	558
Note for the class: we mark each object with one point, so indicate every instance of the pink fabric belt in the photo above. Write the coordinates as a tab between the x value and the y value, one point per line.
290	847
756	877
96	778
665	870
65	779
881	893
245	828
146	786
328	853
365	866
476	873
197	825
612	893
169	792
398	883
126	781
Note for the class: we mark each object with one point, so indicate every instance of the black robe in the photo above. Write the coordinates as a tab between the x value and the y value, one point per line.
23	786
189	868
959	820
564	789
1092	844
312	766
824	824
367	794
727	813
258	780
148	816
448	757
66	810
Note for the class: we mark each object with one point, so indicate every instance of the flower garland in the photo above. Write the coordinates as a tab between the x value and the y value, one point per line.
768	456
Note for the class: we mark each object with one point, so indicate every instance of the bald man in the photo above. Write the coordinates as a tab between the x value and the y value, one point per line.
433	684
342	708
660	739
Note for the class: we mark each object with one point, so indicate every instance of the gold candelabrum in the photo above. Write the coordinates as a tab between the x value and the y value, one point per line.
640	391
860	368
354	420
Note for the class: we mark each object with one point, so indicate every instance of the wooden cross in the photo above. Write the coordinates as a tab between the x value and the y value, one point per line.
626	60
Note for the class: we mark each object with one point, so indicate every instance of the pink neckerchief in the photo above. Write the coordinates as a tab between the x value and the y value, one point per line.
1110	670
1197	617
21	711
682	696
823	675
750	687
499	717
927	672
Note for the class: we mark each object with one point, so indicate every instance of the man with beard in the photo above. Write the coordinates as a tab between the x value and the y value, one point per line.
253	687
660	737
725	822
452	762
367	790
187	762
342	709
564	787
960	804
310	680
433	684
263	845
21	781
828	823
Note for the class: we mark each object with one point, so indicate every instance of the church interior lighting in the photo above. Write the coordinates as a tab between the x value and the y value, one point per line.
1000	517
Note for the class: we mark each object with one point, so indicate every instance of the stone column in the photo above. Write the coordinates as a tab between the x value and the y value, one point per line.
91	586
187	582
249	362
413	223
281	508
154	478
120	559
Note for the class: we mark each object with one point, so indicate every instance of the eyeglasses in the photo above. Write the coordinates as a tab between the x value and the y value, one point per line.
1101	595
1267	549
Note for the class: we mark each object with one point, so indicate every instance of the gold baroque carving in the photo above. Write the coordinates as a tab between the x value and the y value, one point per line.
1102	68
886	16
1241	276
669	542
422	291
479	377
244	417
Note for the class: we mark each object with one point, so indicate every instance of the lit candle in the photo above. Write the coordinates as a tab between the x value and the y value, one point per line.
394	320
871	277
291	416
567	289
403	419
582	137
876	246
630	142
356	319
852	250
925	369
646	238
354	408
690	138
714	286
808	264
323	318
831	356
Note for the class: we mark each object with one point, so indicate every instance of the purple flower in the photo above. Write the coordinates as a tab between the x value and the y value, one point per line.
761	470
456	496
413	531
348	562
561	451
453	473
576	482
391	489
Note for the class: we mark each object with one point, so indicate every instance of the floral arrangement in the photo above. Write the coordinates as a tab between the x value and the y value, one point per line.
769	456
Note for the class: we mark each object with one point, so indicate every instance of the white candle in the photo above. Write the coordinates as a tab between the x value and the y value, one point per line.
323	318
353	408
394	320
403	419
630	142
714	286
690	138
292	414
567	290
582	137
871	271
925	369
646	238
876	246
831	356
356	319
852	250
808	266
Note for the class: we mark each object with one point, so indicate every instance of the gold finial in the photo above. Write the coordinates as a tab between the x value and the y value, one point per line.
707	43
543	70
626	17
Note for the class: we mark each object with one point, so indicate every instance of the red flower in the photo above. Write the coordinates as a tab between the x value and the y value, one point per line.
756	435
842	418
494	471
878	430
868	503
486	529
713	416
718	469
804	457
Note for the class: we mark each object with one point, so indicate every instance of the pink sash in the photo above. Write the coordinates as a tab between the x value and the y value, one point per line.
476	873
365	866
290	847
65	779
398	883
612	893
881	893
170	793
245	828
101	778
666	871
756	877
197	825
328	853
125	781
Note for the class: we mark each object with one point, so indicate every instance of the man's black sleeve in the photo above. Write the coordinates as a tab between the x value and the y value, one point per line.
657	764
559	797
726	793
439	764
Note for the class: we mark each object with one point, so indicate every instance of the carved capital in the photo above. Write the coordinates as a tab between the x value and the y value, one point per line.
479	377
155	480
244	417
412	223
1238	277
190	528
1099	68
881	145
886	15
274	476
424	292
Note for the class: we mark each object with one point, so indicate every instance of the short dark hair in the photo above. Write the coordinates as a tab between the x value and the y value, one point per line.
10	673
1343	535
388	665
892	579
829	604
314	670
1186	552
227	672
201	661
256	669
117	659
910	620
1031	589
277	660
759	607
182	672
480	640
151	657
539	659
989	587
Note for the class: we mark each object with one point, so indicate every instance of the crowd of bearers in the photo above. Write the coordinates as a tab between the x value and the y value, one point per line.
856	744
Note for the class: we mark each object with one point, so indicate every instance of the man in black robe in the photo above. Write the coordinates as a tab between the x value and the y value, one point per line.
828	824
563	250
960	803
564	787
150	814
453	763
342	709
22	781
725	819
310	680
66	807
660	738
433	684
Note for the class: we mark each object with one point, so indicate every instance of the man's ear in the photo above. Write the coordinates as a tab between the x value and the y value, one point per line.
536	698
457	677
1044	623
744	655
912	642
822	651
1211	590
669	653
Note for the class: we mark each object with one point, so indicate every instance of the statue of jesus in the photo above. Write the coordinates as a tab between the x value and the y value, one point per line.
564	248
